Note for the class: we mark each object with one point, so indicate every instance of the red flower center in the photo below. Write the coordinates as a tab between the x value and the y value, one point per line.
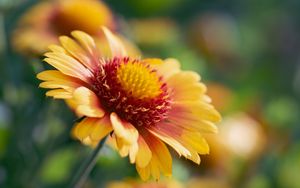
133	90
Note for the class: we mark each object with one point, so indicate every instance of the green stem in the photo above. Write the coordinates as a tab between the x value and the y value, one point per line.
85	169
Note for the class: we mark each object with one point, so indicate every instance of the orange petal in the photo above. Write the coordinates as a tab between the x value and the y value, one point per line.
116	46
87	103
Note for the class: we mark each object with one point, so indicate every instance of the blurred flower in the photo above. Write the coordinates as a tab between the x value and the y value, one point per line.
216	36
163	31
240	137
243	135
142	102
137	184
43	23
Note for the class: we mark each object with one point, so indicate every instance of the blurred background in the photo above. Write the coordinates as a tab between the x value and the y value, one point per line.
247	53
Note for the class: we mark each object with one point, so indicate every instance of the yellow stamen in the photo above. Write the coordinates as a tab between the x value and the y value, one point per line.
138	80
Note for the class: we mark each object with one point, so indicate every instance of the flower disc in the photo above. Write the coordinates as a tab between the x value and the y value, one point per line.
133	90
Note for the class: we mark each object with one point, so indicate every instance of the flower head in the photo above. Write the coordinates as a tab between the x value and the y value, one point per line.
144	103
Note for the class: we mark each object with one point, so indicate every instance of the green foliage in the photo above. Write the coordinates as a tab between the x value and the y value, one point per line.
58	166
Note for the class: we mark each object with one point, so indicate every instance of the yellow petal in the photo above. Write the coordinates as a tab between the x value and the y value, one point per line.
87	141
126	137
191	122
154	168
59	94
78	52
116	46
144	153
56	79
68	65
83	129
196	141
201	109
126	149
133	151
124	130
55	84
161	160
170	140
91	130
103	129
192	141
86	41
144	172
153	61
72	104
56	48
185	86
121	146
166	69
194	155
88	103
55	75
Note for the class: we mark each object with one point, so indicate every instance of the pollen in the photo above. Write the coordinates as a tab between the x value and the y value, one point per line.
138	80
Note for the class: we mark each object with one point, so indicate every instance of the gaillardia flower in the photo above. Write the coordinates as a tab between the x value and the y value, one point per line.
142	104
